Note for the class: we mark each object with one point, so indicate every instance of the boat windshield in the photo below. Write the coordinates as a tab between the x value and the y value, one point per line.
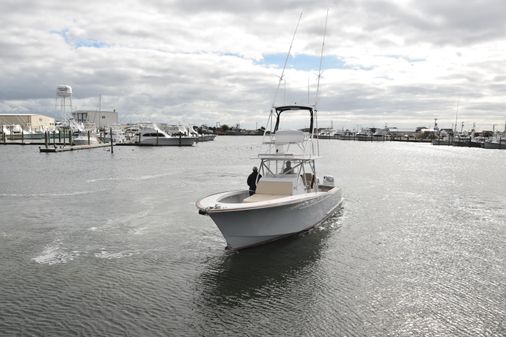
302	170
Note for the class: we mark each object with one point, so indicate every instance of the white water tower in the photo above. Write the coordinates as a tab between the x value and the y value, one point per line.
64	101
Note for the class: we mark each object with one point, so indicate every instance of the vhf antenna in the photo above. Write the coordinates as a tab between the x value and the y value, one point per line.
286	60
318	81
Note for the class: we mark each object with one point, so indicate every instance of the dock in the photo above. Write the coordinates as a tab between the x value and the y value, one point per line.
53	149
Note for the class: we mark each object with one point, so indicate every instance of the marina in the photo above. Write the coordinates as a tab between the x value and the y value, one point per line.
149	186
497	140
79	130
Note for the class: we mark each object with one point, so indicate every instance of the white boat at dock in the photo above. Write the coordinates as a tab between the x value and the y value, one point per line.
496	142
154	136
85	138
115	133
285	203
82	134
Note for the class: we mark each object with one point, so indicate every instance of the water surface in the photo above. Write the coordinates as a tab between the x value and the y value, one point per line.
101	244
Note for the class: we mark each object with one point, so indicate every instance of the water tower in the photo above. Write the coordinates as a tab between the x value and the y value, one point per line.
64	101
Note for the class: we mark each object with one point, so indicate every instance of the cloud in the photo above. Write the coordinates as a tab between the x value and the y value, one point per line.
402	62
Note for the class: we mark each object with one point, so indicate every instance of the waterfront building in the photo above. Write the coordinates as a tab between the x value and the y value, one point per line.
101	119
28	122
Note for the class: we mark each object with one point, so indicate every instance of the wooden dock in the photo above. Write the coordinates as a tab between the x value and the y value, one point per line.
55	149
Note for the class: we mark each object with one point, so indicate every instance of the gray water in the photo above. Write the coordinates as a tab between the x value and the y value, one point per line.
101	244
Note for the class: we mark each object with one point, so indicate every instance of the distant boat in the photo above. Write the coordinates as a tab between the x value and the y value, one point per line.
81	134
285	202
153	135
495	143
85	138
462	140
12	130
117	133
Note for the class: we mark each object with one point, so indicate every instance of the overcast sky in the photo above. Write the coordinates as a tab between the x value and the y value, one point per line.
399	62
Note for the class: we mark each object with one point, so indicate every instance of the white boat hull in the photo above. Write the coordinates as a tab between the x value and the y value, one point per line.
172	141
251	224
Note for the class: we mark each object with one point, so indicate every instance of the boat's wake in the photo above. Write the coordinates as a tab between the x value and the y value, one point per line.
54	253
139	178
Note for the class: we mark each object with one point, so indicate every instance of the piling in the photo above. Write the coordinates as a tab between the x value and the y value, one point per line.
157	137
22	136
88	137
110	135
59	136
46	138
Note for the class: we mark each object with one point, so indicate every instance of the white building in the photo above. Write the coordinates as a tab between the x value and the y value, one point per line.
28	122
102	119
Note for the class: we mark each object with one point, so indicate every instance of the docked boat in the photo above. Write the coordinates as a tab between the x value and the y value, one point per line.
79	133
115	133
495	143
153	135
286	202
85	137
12	130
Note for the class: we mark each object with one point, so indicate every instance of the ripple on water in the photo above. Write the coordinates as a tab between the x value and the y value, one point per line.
103	254
420	251
49	195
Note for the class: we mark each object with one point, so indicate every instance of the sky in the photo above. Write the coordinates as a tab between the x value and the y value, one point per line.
397	62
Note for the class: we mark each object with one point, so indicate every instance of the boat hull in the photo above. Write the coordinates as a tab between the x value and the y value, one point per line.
494	145
85	141
172	141
252	226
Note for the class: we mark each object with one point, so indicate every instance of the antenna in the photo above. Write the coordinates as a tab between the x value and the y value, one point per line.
456	115
100	103
284	92
321	61
308	90
286	60
318	81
